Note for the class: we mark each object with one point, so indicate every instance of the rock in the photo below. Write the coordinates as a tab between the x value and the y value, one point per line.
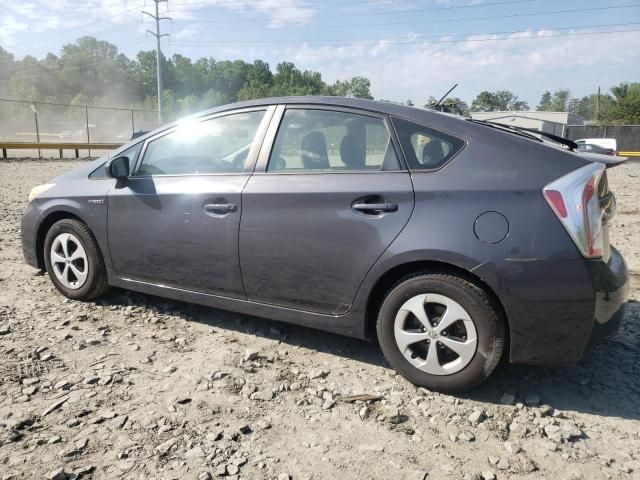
244	429
262	395
466	436
5	329
371	448
221	470
328	404
488	475
62	385
512	447
30	390
448	468
82	443
284	476
476	417
195	452
532	399
503	464
364	412
54	439
58	474
90	380
250	354
163	448
507	398
27	382
419	475
86	470
549	445
205	476
54	406
232	469
318	373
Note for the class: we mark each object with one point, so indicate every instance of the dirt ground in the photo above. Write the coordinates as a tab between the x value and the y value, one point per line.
134	386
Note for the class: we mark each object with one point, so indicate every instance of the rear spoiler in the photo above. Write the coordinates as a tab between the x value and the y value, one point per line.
609	161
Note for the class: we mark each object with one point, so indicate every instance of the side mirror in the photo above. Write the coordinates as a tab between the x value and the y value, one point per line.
118	168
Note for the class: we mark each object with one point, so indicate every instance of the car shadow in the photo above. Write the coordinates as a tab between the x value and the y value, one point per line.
606	382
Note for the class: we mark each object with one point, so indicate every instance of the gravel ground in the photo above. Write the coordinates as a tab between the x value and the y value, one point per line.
134	386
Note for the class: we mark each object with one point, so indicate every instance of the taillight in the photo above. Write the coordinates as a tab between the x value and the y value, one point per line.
574	199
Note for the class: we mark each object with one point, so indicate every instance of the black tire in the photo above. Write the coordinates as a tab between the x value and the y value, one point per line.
96	283
486	320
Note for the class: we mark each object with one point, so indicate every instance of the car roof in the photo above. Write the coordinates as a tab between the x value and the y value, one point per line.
419	114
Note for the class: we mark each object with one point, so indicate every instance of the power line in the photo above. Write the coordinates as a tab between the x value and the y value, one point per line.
410	38
381	41
69	30
158	36
47	50
447	20
386	12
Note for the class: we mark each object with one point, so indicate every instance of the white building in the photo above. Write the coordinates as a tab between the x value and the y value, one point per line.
551	122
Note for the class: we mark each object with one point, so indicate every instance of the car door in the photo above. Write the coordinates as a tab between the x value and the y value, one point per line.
329	195
175	220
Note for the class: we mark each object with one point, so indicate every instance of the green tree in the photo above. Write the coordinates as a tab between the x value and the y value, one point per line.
545	102
625	105
500	100
357	87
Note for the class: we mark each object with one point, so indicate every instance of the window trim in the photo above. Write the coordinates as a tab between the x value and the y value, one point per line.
276	123
437	130
251	156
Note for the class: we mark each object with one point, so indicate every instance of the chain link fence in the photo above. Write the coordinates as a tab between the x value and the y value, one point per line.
627	136
25	121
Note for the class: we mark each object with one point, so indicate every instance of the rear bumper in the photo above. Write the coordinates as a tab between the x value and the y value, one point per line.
557	309
28	233
611	285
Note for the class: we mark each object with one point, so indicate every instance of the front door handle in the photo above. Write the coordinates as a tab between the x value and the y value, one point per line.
374	208
220	208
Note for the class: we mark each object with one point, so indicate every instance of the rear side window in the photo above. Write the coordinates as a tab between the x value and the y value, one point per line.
423	147
217	145
328	140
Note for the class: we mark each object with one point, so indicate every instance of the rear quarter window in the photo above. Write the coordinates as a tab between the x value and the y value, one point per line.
425	148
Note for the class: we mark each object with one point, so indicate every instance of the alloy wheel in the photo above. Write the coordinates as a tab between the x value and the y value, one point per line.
69	261
435	334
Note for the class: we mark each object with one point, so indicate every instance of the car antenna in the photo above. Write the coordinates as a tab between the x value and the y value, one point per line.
444	96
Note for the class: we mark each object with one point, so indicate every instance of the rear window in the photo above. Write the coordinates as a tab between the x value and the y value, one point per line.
423	147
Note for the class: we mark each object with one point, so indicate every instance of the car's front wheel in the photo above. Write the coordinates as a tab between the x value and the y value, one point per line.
440	331
74	261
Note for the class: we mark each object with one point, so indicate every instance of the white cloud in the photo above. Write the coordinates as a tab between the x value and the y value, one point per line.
526	65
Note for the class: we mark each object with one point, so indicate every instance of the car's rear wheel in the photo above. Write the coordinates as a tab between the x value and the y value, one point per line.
74	261
440	331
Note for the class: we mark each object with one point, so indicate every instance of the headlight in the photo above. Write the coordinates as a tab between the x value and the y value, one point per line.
38	190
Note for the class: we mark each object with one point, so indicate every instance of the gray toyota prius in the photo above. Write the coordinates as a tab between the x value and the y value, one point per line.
450	241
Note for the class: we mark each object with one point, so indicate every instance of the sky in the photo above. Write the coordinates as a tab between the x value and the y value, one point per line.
408	49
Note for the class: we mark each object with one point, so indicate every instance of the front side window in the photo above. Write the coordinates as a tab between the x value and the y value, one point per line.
218	145
423	147
317	140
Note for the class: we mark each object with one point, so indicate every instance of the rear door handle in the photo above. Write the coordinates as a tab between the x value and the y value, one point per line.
375	207
220	208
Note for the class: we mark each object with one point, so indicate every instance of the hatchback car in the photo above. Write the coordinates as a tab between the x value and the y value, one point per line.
450	242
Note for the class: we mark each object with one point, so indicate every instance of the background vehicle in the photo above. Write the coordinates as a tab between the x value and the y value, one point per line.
591	148
418	228
606	143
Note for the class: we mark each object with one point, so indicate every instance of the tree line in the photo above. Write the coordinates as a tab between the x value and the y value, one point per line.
620	106
94	72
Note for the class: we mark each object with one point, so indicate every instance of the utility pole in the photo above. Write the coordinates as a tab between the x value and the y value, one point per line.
598	103
158	36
